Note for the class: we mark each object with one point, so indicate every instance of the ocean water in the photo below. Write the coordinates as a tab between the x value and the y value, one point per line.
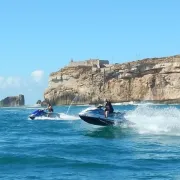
70	149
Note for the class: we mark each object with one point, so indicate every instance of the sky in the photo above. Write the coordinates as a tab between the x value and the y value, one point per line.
38	37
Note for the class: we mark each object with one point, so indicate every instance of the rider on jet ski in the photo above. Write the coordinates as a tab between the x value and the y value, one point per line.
50	108
108	108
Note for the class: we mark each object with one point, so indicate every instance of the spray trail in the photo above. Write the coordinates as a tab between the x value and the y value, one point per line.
62	116
155	120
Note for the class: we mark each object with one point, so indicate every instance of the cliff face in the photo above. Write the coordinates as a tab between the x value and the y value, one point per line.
156	79
12	101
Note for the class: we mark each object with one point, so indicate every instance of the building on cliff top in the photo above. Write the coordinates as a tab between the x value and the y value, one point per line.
91	62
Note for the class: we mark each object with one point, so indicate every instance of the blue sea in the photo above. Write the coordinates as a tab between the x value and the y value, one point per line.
70	149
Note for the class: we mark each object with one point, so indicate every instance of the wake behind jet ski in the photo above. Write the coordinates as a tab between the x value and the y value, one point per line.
43	114
96	116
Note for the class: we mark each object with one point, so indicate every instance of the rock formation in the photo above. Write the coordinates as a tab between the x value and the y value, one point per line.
42	103
152	79
12	101
38	102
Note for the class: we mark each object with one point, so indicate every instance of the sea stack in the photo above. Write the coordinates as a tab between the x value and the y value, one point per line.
13	101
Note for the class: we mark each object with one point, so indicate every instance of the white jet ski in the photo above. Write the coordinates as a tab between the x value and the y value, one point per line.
96	116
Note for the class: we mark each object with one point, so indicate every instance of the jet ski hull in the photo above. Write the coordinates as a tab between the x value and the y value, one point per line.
97	121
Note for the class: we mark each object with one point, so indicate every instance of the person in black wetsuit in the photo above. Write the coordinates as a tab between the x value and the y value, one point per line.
50	108
108	108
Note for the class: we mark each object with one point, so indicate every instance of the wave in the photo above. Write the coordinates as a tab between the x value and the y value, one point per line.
155	120
34	108
68	117
124	103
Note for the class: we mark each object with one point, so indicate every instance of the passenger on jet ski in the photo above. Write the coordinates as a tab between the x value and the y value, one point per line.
108	108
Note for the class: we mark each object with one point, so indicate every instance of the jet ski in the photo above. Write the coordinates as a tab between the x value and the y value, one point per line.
95	115
42	113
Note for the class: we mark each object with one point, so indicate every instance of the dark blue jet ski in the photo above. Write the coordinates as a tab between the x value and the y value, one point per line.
43	114
95	115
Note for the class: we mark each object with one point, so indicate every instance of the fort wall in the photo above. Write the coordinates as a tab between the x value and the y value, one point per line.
91	62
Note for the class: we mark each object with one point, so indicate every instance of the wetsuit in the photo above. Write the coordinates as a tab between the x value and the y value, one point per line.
108	107
50	109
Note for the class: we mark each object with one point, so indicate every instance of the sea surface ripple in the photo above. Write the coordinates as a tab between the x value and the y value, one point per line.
71	149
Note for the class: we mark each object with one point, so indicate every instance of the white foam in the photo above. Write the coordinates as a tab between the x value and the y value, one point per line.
68	117
123	103
46	118
34	108
155	120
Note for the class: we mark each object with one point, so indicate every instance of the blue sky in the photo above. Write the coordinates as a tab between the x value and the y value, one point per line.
38	37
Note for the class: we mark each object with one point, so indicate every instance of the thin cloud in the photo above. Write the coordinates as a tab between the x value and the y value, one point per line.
1	80
13	81
37	75
10	82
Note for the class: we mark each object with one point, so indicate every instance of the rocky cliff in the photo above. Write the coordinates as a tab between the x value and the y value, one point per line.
152	79
12	101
